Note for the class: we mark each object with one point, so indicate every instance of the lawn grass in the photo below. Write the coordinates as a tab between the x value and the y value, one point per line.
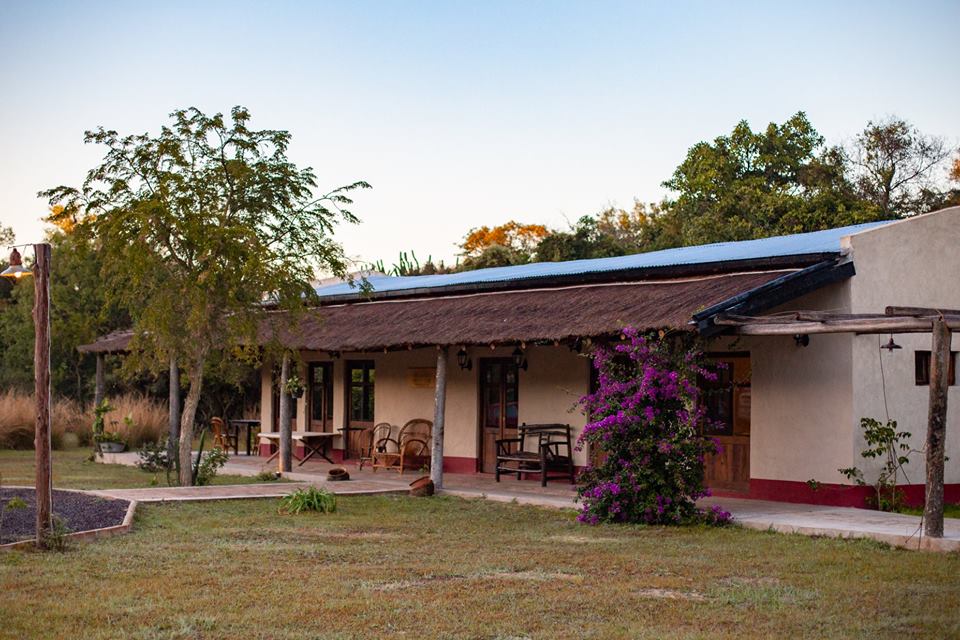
399	567
73	470
949	511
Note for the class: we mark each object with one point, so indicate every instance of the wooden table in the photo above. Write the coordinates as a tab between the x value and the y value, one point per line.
249	424
315	443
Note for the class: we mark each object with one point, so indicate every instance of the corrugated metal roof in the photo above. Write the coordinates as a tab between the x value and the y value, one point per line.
827	241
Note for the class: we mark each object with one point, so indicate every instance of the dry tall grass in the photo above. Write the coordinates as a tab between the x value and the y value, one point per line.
148	420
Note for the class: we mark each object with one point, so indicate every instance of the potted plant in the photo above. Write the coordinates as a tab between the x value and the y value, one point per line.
110	442
294	387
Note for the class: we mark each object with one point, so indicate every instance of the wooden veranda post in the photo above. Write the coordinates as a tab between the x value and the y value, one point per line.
439	410
286	442
41	369
936	428
174	407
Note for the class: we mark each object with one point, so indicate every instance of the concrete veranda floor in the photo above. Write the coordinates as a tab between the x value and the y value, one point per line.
813	520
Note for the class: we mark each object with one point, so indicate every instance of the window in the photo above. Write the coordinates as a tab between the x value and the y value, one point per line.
922	370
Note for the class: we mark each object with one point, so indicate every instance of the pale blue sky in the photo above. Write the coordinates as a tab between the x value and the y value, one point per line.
463	113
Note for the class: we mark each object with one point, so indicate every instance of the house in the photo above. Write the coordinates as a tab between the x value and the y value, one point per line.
518	337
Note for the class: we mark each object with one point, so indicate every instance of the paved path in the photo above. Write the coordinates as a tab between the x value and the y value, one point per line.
839	522
239	491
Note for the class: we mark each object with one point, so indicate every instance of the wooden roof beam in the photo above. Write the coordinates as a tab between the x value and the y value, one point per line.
856	325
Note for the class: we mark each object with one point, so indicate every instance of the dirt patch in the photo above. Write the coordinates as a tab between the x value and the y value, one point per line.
535	575
670	594
78	511
755	581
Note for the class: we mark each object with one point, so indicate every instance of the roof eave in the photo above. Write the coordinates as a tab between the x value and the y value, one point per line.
774	293
620	275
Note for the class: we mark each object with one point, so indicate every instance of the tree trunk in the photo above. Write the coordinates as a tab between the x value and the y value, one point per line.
936	428
41	389
439	410
187	420
286	443
174	408
100	385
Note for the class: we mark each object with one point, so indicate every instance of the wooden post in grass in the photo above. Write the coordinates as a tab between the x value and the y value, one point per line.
286	443
936	428
439	409
41	391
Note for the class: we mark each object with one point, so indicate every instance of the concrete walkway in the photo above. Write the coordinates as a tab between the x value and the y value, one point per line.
897	529
812	520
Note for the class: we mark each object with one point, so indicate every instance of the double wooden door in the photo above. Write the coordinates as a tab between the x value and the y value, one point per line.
320	396
499	406
361	383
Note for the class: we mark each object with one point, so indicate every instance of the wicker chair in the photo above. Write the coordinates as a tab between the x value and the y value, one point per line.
378	440
415	438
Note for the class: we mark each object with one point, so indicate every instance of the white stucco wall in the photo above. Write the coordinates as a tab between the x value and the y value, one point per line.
801	399
915	262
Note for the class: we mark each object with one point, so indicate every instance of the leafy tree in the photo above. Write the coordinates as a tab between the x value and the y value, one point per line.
898	168
756	184
520	239
79	313
198	227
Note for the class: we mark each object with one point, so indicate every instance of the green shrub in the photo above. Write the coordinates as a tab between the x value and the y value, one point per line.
309	499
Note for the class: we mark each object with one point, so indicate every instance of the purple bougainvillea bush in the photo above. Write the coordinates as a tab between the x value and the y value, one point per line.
643	421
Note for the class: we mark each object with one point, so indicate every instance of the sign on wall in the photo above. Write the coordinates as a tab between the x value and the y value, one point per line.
421	377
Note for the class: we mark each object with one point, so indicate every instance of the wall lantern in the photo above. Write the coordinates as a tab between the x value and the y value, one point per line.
518	359
464	360
16	268
891	345
802	340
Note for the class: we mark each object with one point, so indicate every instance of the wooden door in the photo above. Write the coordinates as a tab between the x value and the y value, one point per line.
727	401
320	396
361	379
499	406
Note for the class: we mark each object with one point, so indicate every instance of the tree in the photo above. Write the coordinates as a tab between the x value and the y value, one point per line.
78	314
898	168
520	238
198	227
612	232
757	184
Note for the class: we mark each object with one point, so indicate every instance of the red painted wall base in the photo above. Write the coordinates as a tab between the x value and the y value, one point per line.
837	495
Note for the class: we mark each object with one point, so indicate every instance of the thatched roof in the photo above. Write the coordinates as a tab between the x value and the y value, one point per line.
499	317
514	316
115	342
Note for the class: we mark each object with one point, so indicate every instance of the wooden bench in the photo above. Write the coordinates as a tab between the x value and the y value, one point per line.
552	457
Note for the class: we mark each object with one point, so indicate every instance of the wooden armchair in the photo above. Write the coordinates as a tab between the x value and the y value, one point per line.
379	439
552	456
222	438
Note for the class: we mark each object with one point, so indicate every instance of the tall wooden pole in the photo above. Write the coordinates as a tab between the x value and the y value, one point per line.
936	428
41	378
173	408
439	411
286	443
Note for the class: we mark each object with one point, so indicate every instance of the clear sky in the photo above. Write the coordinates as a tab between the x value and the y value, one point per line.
463	113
